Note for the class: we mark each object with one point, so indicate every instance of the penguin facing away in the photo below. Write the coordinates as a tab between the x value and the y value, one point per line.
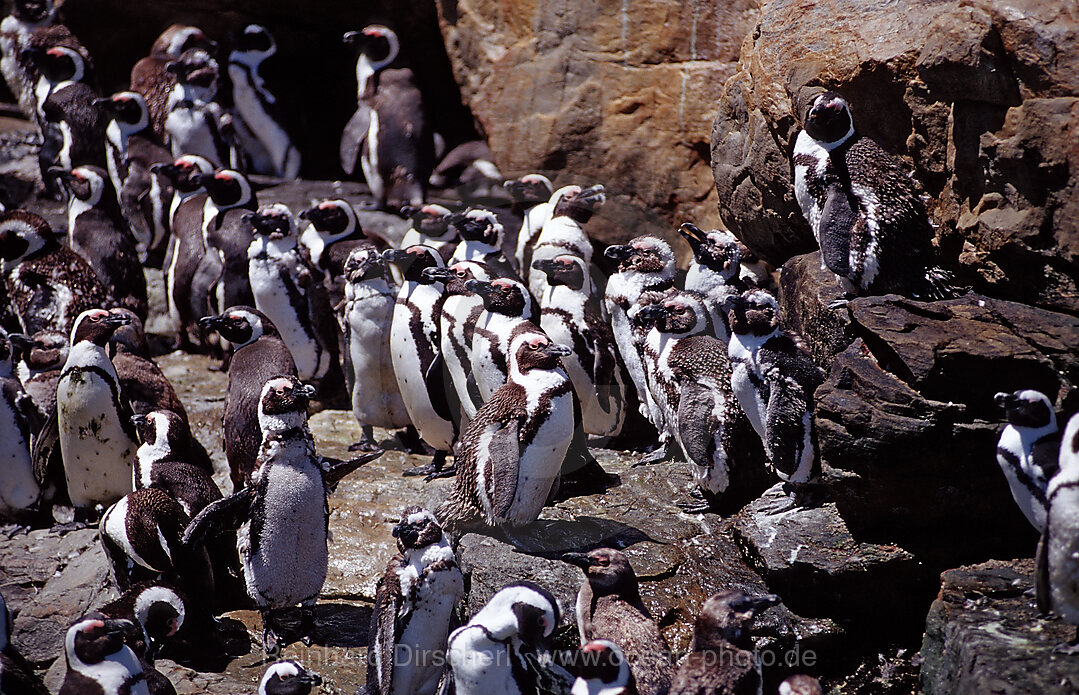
1057	572
98	661
288	677
1028	450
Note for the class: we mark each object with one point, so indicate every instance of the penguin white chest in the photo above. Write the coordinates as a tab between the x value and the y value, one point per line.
193	131
277	296
1063	547
747	384
810	165
18	488
375	396
541	460
480	665
434	597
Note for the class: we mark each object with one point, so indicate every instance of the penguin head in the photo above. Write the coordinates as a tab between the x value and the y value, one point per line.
684	314
288	678
163	432
58	63
828	119
285	394
1026	408
130	337
418	528
578	203
457	276
800	684
648	312
716	250
179	38
608	571
274	222
377	42
478	225
239	325
755	312
32	11
94	638
96	326
521	610
413	260
253	45
502	295
530	351
603	662
161	611
42	351
646	254
364	263
430	220
333	219
228	188
128	108
727	616
22	233
530	189
85	183
564	270
195	67
185	172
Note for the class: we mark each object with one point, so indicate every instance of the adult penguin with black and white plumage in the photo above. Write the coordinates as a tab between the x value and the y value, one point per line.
16	673
609	607
431	227
571	208
460	312
98	660
366	317
481	240
259	125
99	233
570	314
416	349
723	658
15	31
131	150
164	461
1057	571
509	310
195	122
714	271
288	677
865	208
1028	450
389	133
282	516
19	421
510	455
774	379
333	231
503	648
48	284
414	606
531	195
258	354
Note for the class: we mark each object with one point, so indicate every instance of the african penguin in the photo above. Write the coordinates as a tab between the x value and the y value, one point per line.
19	420
259	124
415	347
414	604
713	273
15	30
774	379
389	133
865	208
1028	450
283	513
288	677
195	119
42	359
460	312
508	311
1058	551
99	233
723	658
221	279
510	455
601	668
609	607
531	196
163	461
366	317
570	314
431	227
98	661
150	77
157	608
502	649
756	273
481	240
258	354
48	284
571	208
333	231
16	673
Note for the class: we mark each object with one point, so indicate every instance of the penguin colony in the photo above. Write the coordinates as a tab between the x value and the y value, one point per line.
507	362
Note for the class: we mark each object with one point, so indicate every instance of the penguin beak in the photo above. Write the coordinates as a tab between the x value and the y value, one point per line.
758	604
593	196
408	211
116	320
579	559
139	420
545	265
309	678
693	234
117	626
211	323
303	391
104	104
556	350
731	303
395	256
438	274
651	314
21	344
618	253
350	38
480	287
60	173
1004	400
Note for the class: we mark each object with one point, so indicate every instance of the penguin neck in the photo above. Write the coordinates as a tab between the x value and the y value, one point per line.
146	456
1029	435
365	71
368	289
245	67
631	283
536	382
440	551
278	423
76	207
188	92
317	242
746	345
275	248
566	299
469	250
86	354
829	146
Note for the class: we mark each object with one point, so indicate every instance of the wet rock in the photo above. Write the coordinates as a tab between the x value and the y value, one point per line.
983	634
968	93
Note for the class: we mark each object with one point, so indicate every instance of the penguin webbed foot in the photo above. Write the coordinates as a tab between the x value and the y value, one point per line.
840	303
367	441
703	503
657	455
435	469
444	473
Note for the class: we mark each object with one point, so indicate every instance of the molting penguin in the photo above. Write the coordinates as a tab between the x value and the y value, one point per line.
866	210
510	455
151	78
722	659
601	669
502	649
774	379
195	120
414	604
508	312
43	356
570	315
98	661
48	284
532	203
100	234
258	354
713	273
1028	450
283	513
15	31
288	677
481	240
609	607
563	233
366	317
16	673
389	132
460	312
416	351
19	420
259	124
1058	551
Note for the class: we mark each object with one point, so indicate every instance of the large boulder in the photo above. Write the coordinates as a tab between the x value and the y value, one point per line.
980	98
622	94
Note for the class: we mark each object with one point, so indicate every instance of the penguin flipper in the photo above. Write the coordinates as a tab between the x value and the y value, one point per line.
352	138
45	453
836	222
698	433
504	449
788	428
439	388
549	677
1041	573
385	627
337	470
226	514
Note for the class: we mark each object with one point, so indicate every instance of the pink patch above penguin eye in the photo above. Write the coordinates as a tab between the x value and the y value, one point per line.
93	625
326	205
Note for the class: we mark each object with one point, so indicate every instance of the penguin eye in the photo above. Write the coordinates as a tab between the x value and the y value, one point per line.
603	562
460	273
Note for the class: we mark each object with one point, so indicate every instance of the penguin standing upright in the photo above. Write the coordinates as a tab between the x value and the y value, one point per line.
1058	551
714	271
510	455
609	607
508	312
331	235
722	658
48	284
570	315
866	210
288	677
194	121
414	604
389	132
16	674
502	649
366	317
98	661
258	354
531	196
282	516
221	279
481	240
416	351
259	126
460	312
571	208
19	419
1028	450
151	78
15	31
431	227
774	379
99	233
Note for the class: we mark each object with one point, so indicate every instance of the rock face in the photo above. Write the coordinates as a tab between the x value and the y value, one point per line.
622	94
980	97
984	635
